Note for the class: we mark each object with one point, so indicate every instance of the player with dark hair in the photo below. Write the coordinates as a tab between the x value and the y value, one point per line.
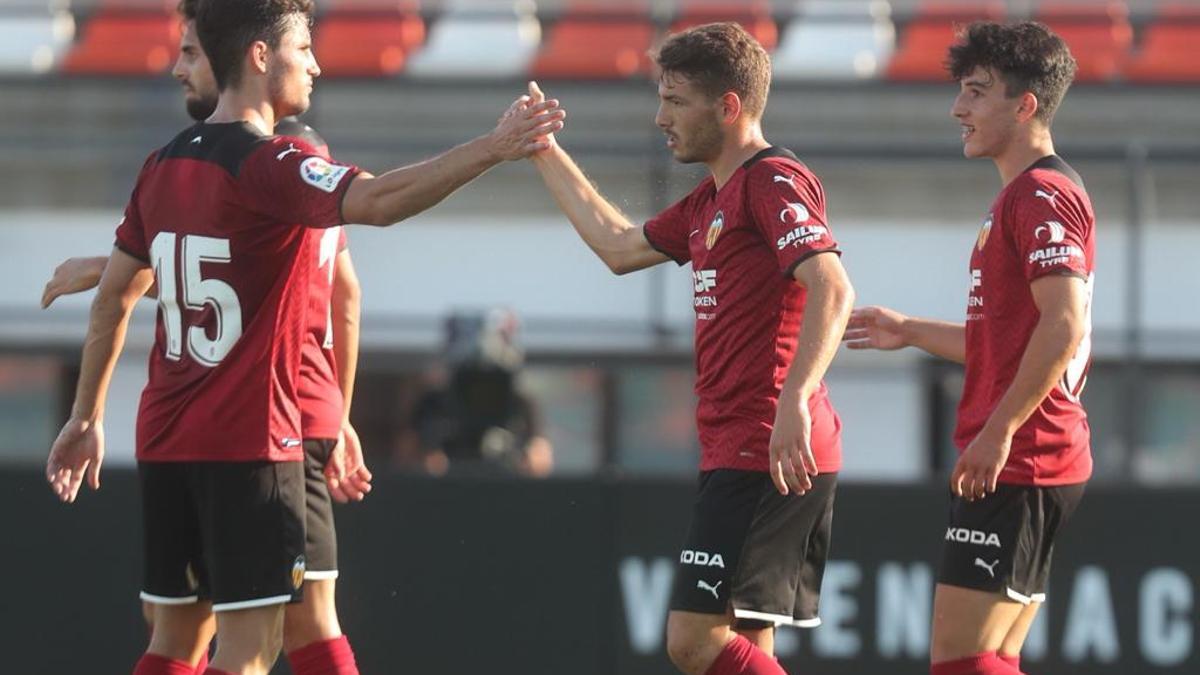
771	302
1022	431
312	637
218	220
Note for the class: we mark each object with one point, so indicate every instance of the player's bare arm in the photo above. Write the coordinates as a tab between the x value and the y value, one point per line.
1062	301
886	329
73	275
352	480
79	449
611	236
830	299
407	191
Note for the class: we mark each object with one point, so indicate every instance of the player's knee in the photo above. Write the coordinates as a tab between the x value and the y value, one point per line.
308	622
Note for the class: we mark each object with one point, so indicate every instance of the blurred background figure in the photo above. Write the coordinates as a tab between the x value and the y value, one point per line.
475	419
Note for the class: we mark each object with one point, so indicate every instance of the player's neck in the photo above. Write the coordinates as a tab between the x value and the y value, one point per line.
240	105
1022	152
737	150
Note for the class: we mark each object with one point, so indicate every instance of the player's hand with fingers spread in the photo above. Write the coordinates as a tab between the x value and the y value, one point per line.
354	481
978	468
72	276
791	456
875	328
523	128
77	453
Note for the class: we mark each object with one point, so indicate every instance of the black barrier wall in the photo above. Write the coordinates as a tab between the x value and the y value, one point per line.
573	577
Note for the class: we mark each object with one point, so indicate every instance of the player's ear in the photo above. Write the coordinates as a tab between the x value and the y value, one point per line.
731	107
258	56
1028	107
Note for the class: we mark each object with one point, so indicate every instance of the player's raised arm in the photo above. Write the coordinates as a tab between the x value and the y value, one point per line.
886	329
619	243
79	448
407	191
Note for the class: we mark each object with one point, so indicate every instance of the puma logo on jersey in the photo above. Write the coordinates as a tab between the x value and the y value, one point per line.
790	180
197	139
964	536
991	569
290	149
289	442
1048	196
703	585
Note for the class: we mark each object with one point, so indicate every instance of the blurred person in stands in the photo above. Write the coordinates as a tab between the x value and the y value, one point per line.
217	222
771	302
1022	434
479	421
333	463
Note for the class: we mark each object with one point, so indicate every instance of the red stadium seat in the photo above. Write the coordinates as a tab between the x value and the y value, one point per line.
1099	35
121	43
595	49
921	54
1170	50
755	17
353	44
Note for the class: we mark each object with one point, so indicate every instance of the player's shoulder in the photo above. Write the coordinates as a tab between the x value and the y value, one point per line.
227	145
1048	176
778	164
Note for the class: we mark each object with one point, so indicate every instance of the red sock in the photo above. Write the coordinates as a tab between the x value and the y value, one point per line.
328	657
987	663
203	665
153	664
743	657
1014	660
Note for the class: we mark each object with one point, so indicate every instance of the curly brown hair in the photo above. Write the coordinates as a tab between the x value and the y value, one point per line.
720	57
1028	56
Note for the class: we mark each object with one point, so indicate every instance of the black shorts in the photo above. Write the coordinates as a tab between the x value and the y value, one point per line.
320	547
229	532
1003	543
754	550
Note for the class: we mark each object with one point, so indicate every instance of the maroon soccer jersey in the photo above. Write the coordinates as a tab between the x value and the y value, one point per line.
219	213
320	395
744	242
1041	224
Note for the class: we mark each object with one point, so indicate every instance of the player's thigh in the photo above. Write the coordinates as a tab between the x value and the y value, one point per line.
1015	640
173	570
695	639
248	640
320	548
724	508
968	622
252	515
763	636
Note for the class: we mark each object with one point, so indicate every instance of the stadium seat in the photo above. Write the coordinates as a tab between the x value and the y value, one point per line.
836	40
361	44
34	43
595	49
1170	51
1098	33
371	6
921	54
125	43
753	15
472	41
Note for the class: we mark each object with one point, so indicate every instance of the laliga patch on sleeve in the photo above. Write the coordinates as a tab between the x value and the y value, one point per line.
321	174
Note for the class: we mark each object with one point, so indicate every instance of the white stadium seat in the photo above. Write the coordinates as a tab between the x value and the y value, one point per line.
473	40
836	40
34	43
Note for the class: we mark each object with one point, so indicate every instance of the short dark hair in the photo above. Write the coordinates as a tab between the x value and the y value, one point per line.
187	9
1028	56
720	57
227	28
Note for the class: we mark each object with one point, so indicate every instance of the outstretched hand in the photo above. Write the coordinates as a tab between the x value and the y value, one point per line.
527	127
875	328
